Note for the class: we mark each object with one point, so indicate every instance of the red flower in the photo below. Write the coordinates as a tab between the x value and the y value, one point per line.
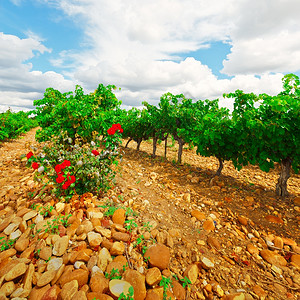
35	165
58	169
71	178
95	152
111	131
121	130
117	126
65	164
60	178
29	154
66	185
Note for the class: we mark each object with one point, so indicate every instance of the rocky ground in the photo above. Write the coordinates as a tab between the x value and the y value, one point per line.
166	230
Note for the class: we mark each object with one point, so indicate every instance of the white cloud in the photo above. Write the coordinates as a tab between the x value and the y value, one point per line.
19	84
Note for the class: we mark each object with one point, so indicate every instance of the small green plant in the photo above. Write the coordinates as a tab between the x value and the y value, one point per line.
52	225
147	226
114	274
186	282
129	296
45	211
49	258
4	245
130	225
166	284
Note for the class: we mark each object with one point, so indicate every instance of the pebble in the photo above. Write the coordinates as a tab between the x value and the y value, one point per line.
158	256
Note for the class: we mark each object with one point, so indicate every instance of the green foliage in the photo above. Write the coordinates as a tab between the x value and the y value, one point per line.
128	296
186	282
53	224
13	125
114	274
166	283
6	244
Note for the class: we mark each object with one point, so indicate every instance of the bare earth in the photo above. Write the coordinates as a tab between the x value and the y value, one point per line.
234	229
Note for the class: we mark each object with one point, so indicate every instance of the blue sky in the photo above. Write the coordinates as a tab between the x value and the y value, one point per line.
147	48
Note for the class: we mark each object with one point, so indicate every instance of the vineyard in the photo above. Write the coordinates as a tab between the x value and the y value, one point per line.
183	200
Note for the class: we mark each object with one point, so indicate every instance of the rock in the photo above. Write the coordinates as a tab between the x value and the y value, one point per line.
45	253
10	228
38	293
137	280
98	296
153	276
69	290
46	278
80	275
80	295
200	216
289	242
155	294
117	287
260	292
28	278
213	243
191	273
54	263
59	207
295	259
7	288
31	214
252	249
207	263
119	216
274	219
121	236
7	253
94	239
117	248
58	274
273	258
278	242
5	223
209	225
94	213
60	246
16	271
158	256
296	279
243	220
104	258
297	201
103	231
178	290
22	243
52	293
99	283
237	296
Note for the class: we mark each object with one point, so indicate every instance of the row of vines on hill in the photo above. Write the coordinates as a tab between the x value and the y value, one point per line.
13	124
261	130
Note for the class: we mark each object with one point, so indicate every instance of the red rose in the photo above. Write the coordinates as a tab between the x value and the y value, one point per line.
65	164
121	130
95	152
111	131
71	178
35	165
66	185
58	169
60	178
29	154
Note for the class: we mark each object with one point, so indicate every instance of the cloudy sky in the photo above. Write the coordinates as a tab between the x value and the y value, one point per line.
146	47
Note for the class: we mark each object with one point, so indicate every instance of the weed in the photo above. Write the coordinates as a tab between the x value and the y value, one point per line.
129	296
114	274
52	225
147	226
130	225
4	245
166	284
185	282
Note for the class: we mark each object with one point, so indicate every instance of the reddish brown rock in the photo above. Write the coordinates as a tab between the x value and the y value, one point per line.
213	243
178	290
252	249
243	220
274	219
260	292
117	248
236	296
209	225
16	271
98	296
119	216
158	256
295	259
191	273
153	276
137	280
99	283
200	216
155	294
45	278
273	258
278	242
69	290
121	236
7	253
80	275
38	293
80	295
52	293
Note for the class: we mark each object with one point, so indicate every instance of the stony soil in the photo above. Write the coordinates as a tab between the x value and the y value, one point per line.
231	237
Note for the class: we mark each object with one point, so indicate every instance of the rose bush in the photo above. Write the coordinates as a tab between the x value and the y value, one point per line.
77	168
